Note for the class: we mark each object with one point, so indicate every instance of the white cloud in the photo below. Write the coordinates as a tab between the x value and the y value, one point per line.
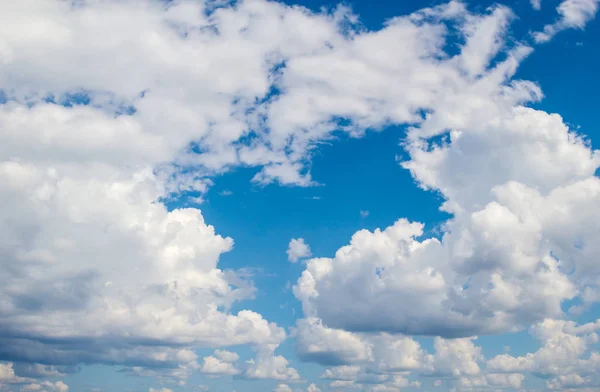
47	386
564	358
297	249
8	375
282	388
90	252
536	4
160	390
227	356
516	181
328	346
313	388
573	14
347	373
220	363
364	213
270	366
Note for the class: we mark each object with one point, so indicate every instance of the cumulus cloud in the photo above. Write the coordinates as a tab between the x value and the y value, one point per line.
8	376
270	366
564	357
398	362
313	388
328	346
298	249
282	388
220	363
573	14
110	109
515	180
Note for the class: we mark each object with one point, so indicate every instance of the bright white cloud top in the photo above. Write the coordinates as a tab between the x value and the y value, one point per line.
297	249
112	108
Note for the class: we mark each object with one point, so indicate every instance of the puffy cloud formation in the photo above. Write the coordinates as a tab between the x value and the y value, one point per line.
282	388
270	366
222	362
398	362
9	377
297	249
564	357
313	388
47	386
111	108
524	199
523	195
574	14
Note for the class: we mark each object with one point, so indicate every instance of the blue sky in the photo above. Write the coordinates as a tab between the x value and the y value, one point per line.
438	159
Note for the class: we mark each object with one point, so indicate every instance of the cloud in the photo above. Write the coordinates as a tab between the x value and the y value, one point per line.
269	366
364	213
536	4
36	370
313	388
106	273
282	388
398	362
564	358
573	14
516	248
220	364
8	376
328	346
297	249
34	377
514	179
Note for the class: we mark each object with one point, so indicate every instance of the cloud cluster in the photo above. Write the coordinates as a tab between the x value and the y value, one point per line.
298	249
522	191
521	188
564	357
108	109
565	360
8	378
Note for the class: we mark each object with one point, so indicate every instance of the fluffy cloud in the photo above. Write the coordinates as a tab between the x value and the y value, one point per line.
30	377
282	388
517	182
47	386
573	14
329	346
398	362
522	191
313	388
114	107
8	376
270	366
564	357
222	362
297	249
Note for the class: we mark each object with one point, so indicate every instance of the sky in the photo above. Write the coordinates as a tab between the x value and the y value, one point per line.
258	196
